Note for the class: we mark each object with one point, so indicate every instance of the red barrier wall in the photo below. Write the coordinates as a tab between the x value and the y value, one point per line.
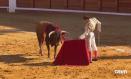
25	3
92	5
59	4
76	4
124	5
42	3
109	5
88	5
4	3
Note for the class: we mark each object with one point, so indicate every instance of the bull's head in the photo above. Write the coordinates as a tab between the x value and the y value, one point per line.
56	37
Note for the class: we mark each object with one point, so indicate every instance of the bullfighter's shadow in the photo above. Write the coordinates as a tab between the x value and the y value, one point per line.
115	57
18	58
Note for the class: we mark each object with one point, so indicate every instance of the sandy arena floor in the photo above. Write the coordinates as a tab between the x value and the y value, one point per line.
19	58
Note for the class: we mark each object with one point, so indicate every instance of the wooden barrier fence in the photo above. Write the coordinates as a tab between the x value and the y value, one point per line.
85	5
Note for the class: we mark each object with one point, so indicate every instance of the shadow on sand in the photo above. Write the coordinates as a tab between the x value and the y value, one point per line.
115	57
10	31
18	58
40	64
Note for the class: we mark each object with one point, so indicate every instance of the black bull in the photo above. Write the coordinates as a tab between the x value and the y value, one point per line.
50	34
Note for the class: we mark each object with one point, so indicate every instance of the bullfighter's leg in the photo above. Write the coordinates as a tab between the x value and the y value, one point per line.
94	48
89	38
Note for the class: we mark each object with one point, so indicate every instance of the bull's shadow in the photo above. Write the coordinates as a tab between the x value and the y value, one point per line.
18	58
40	64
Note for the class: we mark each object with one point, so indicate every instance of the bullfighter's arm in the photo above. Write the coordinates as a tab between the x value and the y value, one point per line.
98	26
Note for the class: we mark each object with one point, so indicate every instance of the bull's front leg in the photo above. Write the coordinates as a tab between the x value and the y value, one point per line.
41	47
40	50
55	50
40	38
48	48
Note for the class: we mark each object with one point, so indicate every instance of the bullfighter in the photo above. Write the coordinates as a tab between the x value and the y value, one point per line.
90	25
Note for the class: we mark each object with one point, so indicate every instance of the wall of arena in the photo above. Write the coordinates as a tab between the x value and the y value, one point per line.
123	6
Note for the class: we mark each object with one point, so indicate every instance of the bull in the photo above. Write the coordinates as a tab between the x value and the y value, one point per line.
49	34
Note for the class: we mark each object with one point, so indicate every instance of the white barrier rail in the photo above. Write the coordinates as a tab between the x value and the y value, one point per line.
71	11
4	7
74	11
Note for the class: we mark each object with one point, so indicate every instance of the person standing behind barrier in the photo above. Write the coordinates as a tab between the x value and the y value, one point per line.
90	26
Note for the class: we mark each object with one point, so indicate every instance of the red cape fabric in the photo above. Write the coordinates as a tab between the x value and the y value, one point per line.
73	52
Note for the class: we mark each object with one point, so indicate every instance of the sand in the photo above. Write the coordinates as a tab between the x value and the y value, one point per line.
19	57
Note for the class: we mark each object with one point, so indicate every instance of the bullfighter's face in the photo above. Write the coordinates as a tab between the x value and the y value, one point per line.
87	20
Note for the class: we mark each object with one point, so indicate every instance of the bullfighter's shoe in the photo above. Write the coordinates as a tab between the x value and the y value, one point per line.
96	56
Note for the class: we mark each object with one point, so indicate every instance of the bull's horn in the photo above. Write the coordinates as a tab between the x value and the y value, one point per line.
51	33
64	31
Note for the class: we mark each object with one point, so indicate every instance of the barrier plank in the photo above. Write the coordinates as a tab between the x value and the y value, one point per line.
24	3
4	3
93	5
109	5
42	3
75	4
59	4
89	5
124	5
